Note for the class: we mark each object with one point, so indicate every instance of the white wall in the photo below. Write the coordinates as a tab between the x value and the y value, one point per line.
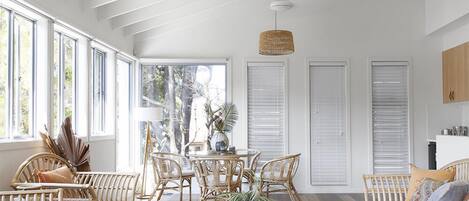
441	13
322	28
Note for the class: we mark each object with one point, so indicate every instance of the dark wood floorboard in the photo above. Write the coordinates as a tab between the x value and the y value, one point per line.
284	197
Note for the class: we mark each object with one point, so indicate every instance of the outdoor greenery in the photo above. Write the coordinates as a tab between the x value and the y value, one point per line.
182	90
20	96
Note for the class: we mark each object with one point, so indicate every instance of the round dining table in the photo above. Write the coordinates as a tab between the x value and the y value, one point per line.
239	153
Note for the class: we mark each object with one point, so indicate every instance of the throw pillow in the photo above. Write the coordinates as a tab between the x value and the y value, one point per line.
418	175
466	198
59	175
425	189
452	191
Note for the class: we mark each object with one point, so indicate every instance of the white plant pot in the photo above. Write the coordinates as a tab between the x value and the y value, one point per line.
219	142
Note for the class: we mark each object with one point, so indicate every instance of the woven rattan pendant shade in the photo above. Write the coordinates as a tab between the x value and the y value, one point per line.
276	42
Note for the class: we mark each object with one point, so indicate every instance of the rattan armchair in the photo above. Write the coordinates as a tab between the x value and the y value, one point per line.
171	169
277	176
393	187
33	195
218	175
99	186
249	173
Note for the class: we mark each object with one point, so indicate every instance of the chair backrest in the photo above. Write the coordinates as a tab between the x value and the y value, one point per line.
254	160
110	186
219	174
462	169
33	195
281	169
39	162
394	187
168	166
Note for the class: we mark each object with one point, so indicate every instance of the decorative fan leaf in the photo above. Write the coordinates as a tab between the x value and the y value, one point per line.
51	144
73	148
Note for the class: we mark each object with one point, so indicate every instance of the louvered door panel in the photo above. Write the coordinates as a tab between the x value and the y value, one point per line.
266	108
390	117
328	124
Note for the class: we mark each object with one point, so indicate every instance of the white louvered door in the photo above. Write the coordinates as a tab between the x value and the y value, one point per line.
266	108
390	117
328	123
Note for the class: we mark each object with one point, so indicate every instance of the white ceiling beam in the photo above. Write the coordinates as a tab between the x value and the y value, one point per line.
148	12
193	10
182	24
122	7
98	3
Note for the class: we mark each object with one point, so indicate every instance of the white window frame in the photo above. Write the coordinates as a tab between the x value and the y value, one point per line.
370	104
103	87
244	114
11	133
319	61
132	81
61	67
162	61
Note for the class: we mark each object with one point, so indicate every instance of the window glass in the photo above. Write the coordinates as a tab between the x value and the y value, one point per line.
183	90
4	14
22	76
69	64
56	117
99	63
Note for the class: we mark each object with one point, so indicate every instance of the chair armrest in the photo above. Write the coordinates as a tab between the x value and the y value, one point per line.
25	186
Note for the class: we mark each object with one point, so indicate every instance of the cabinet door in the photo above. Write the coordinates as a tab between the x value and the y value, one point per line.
453	63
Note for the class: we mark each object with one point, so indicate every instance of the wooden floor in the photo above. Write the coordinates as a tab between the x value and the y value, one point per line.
304	197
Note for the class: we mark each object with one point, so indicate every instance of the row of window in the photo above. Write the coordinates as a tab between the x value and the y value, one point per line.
20	76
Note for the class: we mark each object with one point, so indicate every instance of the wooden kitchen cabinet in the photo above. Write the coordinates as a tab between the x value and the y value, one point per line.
456	74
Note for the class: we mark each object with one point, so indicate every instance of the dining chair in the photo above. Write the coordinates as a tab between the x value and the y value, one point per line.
33	195
172	169
249	173
218	175
279	173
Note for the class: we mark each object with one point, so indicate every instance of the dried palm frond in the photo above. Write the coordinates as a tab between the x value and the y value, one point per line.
51	144
74	149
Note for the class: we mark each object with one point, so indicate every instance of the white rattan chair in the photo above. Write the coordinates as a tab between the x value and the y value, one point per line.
249	173
171	169
100	186
218	175
277	176
32	195
393	187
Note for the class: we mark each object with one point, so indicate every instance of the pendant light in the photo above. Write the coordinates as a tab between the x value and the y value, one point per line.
277	42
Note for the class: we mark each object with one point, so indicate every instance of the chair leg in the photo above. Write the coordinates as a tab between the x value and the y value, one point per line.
190	189
181	190
163	186
154	191
296	192
290	193
268	190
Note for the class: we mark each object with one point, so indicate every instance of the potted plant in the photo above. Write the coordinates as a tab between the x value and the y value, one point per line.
253	195
219	123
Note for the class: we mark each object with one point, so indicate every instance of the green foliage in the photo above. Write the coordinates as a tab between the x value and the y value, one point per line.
221	119
244	196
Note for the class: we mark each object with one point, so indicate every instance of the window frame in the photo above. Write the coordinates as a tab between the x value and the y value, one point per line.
62	34
12	134
103	96
410	131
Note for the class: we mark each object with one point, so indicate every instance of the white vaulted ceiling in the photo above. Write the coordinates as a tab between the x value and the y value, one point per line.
145	19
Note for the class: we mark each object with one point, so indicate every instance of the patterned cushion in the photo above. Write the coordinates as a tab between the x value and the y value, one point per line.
425	189
452	191
417	175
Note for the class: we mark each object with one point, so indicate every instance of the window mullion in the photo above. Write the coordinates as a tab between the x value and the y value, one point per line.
9	99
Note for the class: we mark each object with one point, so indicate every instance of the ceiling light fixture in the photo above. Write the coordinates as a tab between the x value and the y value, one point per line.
277	42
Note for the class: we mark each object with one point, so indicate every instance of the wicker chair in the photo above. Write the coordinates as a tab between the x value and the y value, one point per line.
218	175
249	173
100	186
279	173
394	187
169	169
33	195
